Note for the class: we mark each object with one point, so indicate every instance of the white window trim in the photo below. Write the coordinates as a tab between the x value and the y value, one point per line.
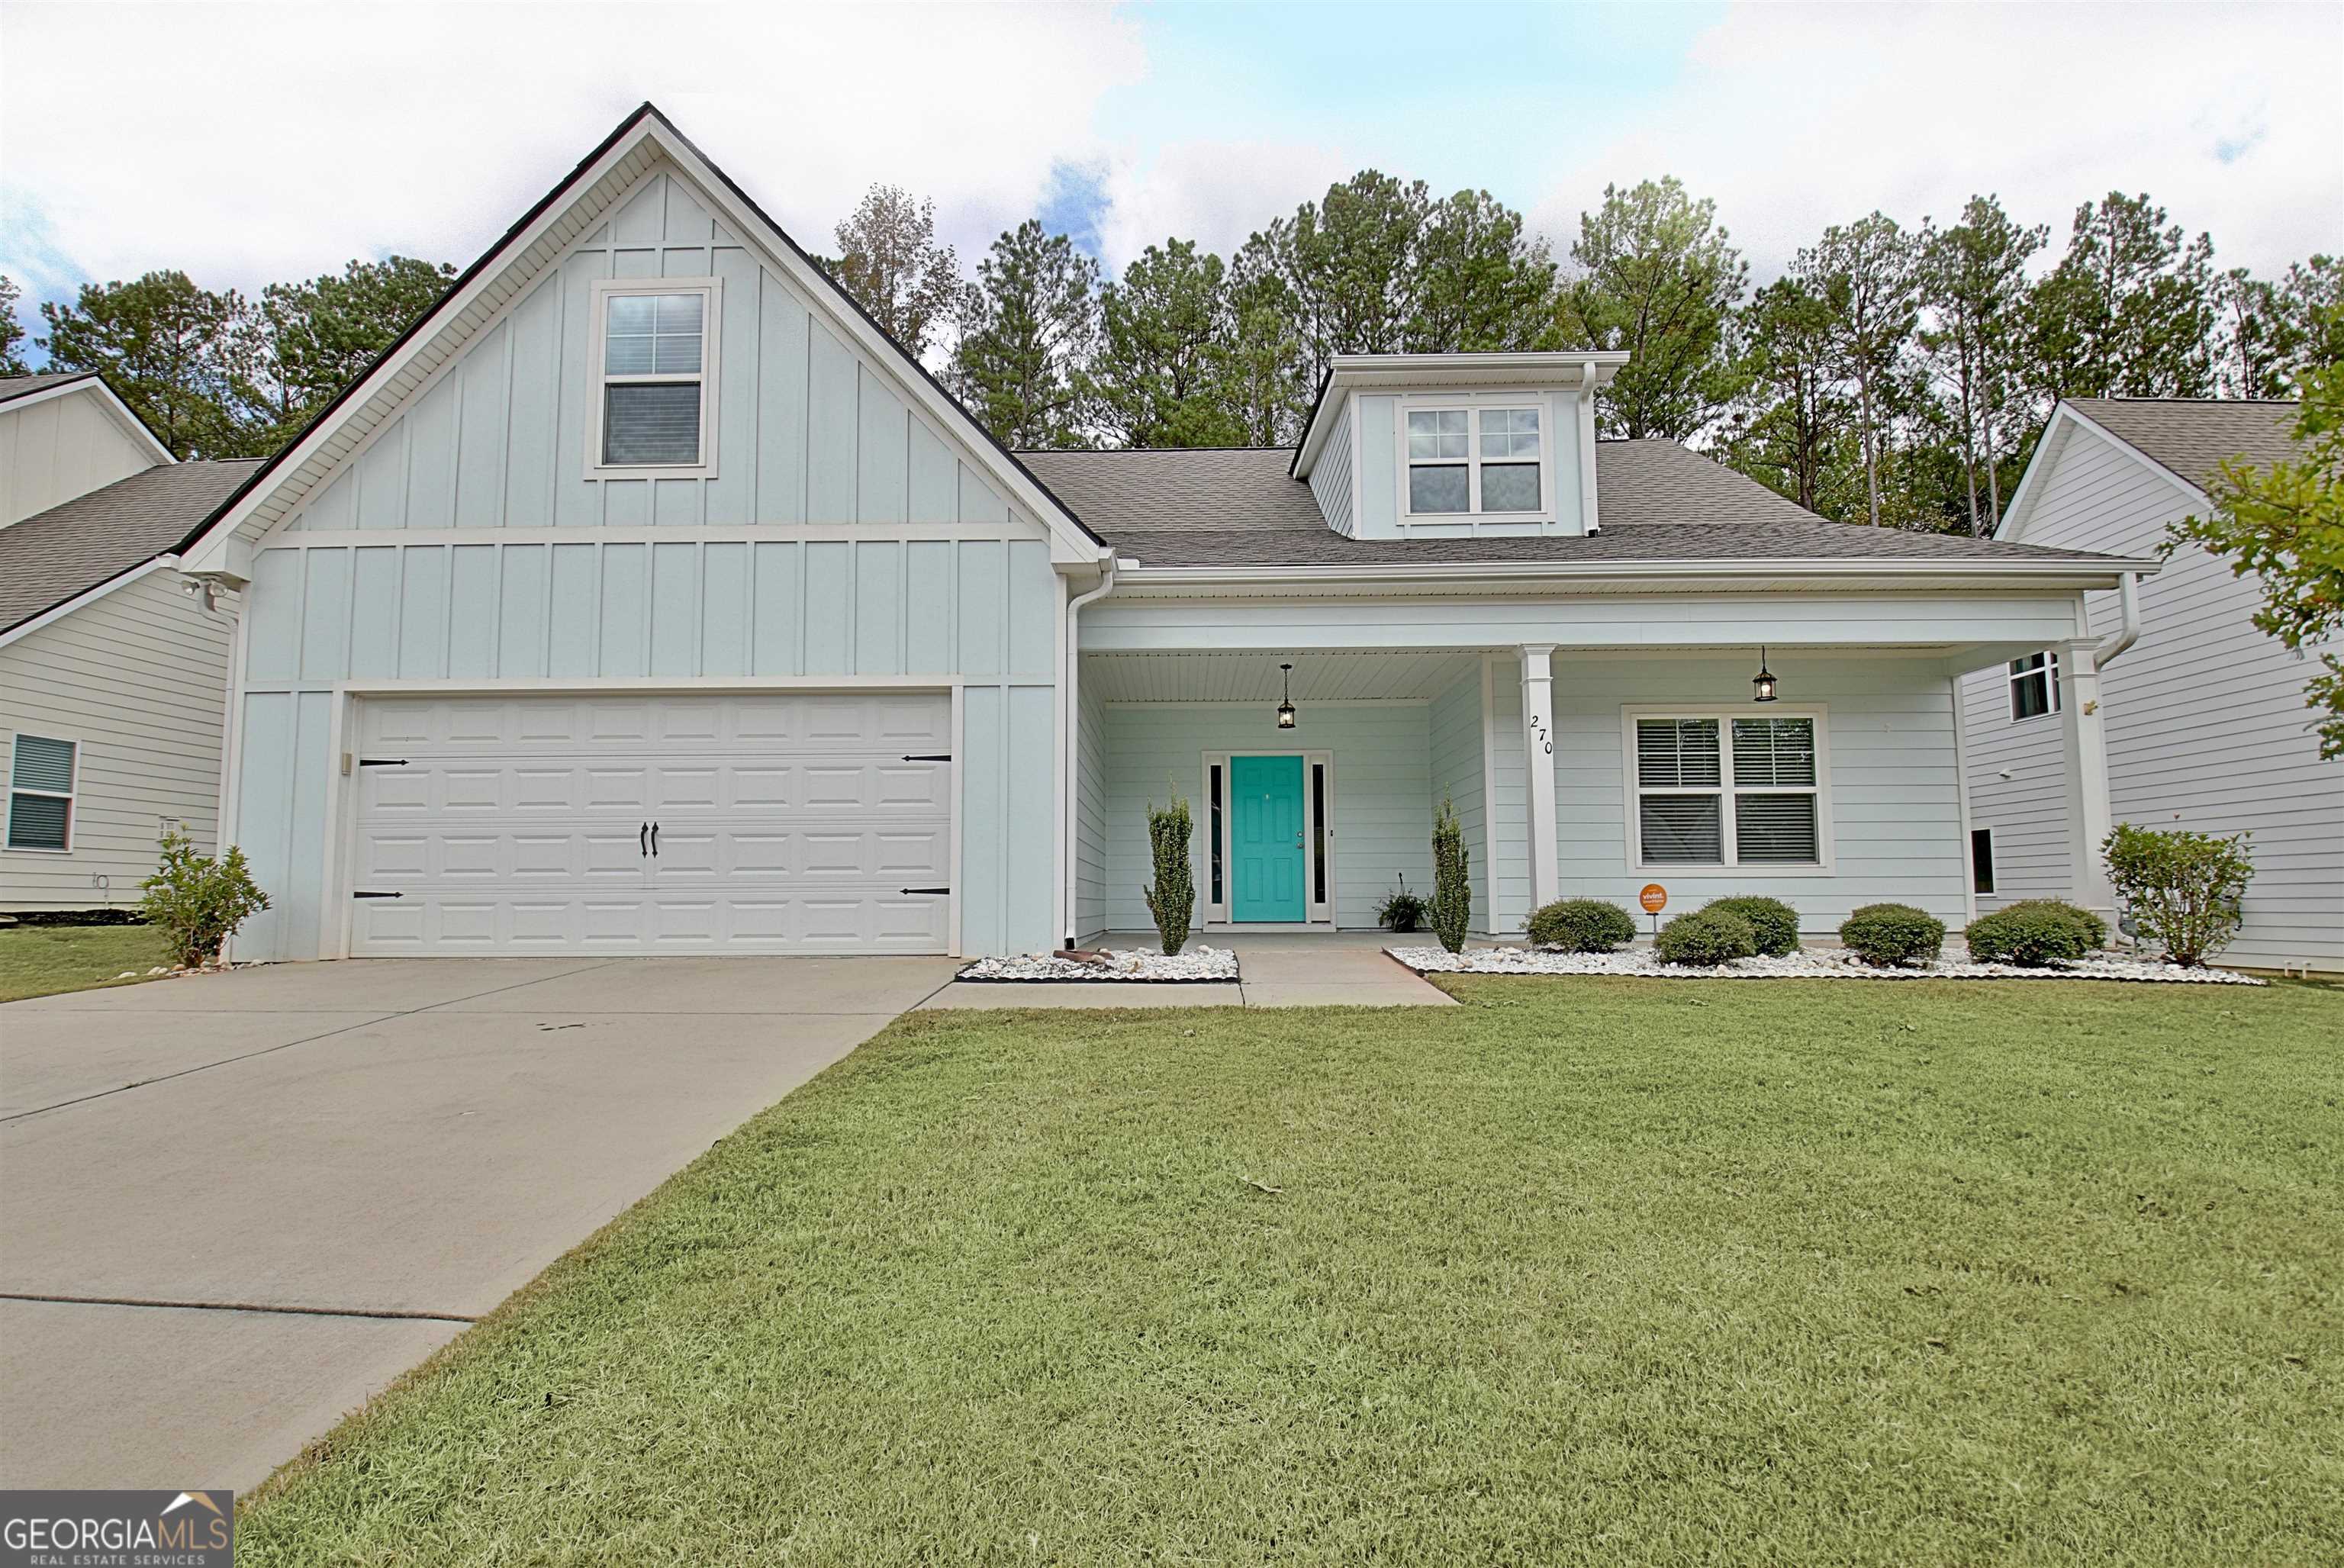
602	291
2050	671
1315	912
70	795
1476	402
1725	713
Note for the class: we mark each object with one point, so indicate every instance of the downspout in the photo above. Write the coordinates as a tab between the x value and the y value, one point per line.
2128	629
1588	521
1069	686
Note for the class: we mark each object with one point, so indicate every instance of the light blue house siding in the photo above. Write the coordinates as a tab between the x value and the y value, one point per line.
1376	506
1460	776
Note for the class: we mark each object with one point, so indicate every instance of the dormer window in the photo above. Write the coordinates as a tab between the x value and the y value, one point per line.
1466	460
654	357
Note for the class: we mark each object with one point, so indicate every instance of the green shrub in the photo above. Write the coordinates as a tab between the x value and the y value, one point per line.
1885	935
1173	900
2039	938
196	902
1452	885
2095	929
1711	936
1582	925
1401	910
2184	888
1775	922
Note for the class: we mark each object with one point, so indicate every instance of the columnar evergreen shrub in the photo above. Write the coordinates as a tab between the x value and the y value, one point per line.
1582	925
198	902
1173	900
1452	885
1886	936
1708	936
2184	888
1776	923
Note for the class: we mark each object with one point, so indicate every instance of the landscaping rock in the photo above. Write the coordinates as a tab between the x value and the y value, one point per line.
1810	964
1198	965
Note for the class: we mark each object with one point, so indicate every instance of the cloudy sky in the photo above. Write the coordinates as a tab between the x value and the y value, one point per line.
249	143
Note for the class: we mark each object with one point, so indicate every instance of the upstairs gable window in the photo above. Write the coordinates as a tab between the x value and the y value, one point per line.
1463	460
655	356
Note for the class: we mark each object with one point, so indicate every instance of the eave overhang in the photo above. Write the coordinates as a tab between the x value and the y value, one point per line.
1570	370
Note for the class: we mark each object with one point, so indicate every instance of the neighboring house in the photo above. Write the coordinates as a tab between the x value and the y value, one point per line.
645	597
2205	717
113	668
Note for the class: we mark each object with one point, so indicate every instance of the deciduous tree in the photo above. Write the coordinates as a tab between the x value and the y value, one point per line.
889	260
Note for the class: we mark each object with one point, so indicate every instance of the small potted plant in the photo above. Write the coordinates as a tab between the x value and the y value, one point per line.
1401	910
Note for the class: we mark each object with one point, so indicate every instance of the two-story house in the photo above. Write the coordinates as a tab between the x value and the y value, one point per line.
646	598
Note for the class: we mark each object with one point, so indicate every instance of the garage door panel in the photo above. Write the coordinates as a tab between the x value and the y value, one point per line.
788	824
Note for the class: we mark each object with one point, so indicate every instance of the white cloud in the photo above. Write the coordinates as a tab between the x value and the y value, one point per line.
1215	193
1794	117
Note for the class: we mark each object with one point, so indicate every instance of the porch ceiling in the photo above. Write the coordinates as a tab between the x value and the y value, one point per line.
1254	677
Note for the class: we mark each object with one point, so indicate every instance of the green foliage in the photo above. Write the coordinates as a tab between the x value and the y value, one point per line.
1973	286
2286	525
2183	888
174	352
1888	936
1401	910
1169	372
1708	935
198	902
1867	275
316	338
1028	328
889	260
1452	883
2128	311
12	332
1172	901
1658	279
1582	926
2040	933
1776	923
2088	926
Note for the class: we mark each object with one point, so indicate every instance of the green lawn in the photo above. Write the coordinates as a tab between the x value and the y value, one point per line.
41	960
1585	1271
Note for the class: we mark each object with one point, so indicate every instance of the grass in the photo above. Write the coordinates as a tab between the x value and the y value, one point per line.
1583	1271
42	960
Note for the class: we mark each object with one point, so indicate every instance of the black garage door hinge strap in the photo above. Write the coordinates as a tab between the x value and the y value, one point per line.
939	757
362	892
926	890
382	762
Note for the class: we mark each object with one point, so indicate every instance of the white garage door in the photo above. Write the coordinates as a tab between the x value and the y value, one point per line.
653	824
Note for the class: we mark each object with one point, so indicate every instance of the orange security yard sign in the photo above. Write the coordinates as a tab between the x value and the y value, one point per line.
1654	899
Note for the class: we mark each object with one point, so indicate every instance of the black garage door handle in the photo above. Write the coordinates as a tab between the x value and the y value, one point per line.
923	890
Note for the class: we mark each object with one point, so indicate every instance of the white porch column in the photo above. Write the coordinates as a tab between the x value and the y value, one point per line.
2090	817
1538	755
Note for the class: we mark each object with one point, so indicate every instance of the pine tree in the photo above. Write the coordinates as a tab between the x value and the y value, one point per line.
1028	328
1659	280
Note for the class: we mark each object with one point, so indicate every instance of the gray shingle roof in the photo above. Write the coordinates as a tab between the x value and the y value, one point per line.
55	555
25	386
1658	501
2192	436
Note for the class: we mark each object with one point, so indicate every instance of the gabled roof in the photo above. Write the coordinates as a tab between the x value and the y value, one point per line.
18	389
513	264
2191	438
56	556
14	386
1660	501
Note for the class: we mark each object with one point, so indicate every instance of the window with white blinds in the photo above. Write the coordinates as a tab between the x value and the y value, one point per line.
41	793
655	349
1720	791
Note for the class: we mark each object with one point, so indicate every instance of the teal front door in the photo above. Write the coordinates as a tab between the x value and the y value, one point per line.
1266	839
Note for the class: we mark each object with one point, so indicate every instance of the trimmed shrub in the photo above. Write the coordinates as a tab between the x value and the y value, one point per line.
1173	900
1886	936
2095	929
1452	883
1711	936
2039	938
1402	910
1582	925
1775	922
198	902
2183	888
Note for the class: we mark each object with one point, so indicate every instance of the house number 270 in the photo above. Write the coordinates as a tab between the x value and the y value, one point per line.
1538	732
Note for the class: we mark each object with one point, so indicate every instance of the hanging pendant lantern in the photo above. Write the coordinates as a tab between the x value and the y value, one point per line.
1286	699
1761	685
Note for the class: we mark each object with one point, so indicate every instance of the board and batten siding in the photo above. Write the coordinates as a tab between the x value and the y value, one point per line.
137	678
1382	815
979	611
805	432
2204	716
56	447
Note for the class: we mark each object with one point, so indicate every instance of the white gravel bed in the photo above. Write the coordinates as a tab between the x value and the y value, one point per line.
1198	965
1809	964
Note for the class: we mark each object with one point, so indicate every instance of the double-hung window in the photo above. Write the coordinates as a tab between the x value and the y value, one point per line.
655	366
41	793
1720	790
2034	686
1475	460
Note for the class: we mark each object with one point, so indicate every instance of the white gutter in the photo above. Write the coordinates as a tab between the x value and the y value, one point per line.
1503	574
2129	630
1069	679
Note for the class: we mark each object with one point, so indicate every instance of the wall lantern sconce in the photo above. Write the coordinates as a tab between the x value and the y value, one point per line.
1761	685
1285	700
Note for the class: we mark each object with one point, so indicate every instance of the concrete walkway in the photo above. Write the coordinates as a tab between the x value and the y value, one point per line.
1313	969
232	1208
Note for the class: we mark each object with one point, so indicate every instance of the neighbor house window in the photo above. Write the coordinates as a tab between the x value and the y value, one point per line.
1724	791
1462	461
1982	860
41	793
2035	685
655	354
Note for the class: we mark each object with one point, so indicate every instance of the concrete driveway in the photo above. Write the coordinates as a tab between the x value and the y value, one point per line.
232	1208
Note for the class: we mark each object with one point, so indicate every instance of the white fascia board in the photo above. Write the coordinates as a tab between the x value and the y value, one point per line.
2065	420
1481	577
115	410
1542	370
87	596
